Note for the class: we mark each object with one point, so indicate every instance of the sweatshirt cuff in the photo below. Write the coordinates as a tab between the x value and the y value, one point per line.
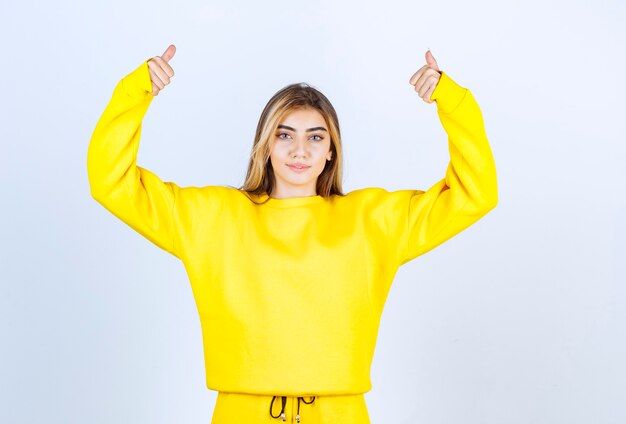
448	94
138	84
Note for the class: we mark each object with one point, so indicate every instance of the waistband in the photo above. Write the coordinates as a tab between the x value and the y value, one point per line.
304	408
281	415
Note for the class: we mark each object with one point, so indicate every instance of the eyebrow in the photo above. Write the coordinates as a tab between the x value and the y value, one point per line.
285	127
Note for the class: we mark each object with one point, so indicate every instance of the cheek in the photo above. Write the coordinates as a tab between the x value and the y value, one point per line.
278	155
274	152
279	149
321	160
323	152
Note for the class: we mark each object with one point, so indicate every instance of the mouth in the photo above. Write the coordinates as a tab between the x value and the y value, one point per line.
298	167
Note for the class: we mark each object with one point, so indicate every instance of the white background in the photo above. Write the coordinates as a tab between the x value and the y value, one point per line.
519	319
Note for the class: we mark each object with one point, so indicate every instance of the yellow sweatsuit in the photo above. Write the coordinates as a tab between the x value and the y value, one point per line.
290	293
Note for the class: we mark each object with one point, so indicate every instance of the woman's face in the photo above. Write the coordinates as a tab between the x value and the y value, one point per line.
302	137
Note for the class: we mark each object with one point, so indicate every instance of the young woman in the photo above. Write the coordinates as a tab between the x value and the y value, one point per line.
289	274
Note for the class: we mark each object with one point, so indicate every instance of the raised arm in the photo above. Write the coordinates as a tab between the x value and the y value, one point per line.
469	189
132	193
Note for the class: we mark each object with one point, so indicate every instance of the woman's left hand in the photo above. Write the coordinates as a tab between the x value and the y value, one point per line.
426	79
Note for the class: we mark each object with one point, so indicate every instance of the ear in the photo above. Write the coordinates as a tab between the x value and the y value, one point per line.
329	155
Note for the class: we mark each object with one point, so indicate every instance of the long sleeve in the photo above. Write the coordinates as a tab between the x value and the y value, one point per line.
424	219
132	193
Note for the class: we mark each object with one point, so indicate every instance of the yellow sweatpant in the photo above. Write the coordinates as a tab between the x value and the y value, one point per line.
236	408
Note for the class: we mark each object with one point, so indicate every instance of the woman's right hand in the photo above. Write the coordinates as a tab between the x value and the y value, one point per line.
160	70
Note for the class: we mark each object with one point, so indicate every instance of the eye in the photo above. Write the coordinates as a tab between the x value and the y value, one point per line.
283	134
319	137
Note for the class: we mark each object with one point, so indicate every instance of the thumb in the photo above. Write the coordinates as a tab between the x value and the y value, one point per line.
430	60
169	53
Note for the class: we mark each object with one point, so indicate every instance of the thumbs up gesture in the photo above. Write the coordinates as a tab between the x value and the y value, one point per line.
160	70
426	79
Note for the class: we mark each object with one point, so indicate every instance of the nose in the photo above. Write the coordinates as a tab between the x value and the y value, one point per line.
299	148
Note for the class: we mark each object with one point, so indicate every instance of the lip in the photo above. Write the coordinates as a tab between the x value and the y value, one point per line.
298	167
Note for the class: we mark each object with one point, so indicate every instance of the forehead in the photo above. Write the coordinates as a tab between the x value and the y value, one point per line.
303	117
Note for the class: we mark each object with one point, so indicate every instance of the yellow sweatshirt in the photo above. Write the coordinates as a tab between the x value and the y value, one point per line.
290	293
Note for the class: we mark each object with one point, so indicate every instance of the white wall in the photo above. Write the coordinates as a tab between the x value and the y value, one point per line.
519	319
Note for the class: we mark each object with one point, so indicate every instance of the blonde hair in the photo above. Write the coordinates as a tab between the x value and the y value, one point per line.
260	176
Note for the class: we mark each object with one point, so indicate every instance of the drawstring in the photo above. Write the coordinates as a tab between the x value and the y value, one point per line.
308	403
284	402
282	411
